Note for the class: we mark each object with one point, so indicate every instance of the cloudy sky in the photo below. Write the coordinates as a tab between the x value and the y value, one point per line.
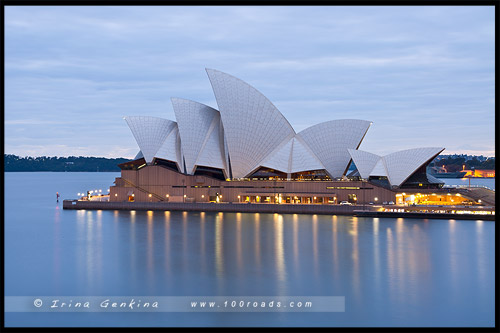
423	75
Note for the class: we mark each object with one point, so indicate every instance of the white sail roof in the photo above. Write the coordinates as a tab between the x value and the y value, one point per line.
303	159
365	161
212	150
139	155
171	148
330	140
149	133
379	169
279	159
253	126
250	132
402	164
293	156
199	129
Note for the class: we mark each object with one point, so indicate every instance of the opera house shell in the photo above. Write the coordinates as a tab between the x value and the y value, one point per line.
248	139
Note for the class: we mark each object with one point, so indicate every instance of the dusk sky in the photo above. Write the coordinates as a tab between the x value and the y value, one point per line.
423	75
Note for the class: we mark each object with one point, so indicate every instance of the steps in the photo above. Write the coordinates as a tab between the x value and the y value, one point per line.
159	197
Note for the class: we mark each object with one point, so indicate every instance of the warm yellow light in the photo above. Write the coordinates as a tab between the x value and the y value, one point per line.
458	194
167	195
375	198
220	195
314	198
238	196
133	194
404	193
150	195
116	195
184	195
202	196
479	201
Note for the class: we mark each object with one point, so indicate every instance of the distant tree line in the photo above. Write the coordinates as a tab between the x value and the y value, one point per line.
71	163
456	163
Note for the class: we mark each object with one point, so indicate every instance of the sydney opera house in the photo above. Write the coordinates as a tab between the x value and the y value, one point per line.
247	151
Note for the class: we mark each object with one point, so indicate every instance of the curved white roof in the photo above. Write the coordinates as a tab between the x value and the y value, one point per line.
212	150
365	161
303	159
139	155
199	129
330	140
171	148
150	133
379	169
253	126
279	159
249	132
293	156
402	164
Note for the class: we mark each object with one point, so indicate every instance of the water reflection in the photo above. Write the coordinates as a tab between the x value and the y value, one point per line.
335	246
257	239
482	263
150	244
57	246
296	243
355	258
202	241
408	268
167	244
219	255
279	253
382	261
239	256
376	252
315	243
453	254
133	246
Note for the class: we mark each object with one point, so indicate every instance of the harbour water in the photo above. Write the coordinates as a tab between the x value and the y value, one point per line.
392	272
487	182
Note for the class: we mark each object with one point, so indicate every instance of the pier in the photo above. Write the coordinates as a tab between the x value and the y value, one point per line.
421	212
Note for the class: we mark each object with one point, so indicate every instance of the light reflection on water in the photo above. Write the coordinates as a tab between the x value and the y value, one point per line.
274	254
393	272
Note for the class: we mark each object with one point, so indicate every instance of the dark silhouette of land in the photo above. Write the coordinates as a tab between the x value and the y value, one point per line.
70	164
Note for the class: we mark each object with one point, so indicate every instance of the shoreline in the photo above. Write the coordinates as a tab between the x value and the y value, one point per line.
369	211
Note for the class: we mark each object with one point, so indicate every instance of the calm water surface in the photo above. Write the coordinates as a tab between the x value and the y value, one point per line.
392	272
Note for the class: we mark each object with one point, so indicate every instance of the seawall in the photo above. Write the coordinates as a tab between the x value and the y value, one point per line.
355	210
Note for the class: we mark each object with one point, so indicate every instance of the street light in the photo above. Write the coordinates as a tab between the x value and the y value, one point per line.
239	199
